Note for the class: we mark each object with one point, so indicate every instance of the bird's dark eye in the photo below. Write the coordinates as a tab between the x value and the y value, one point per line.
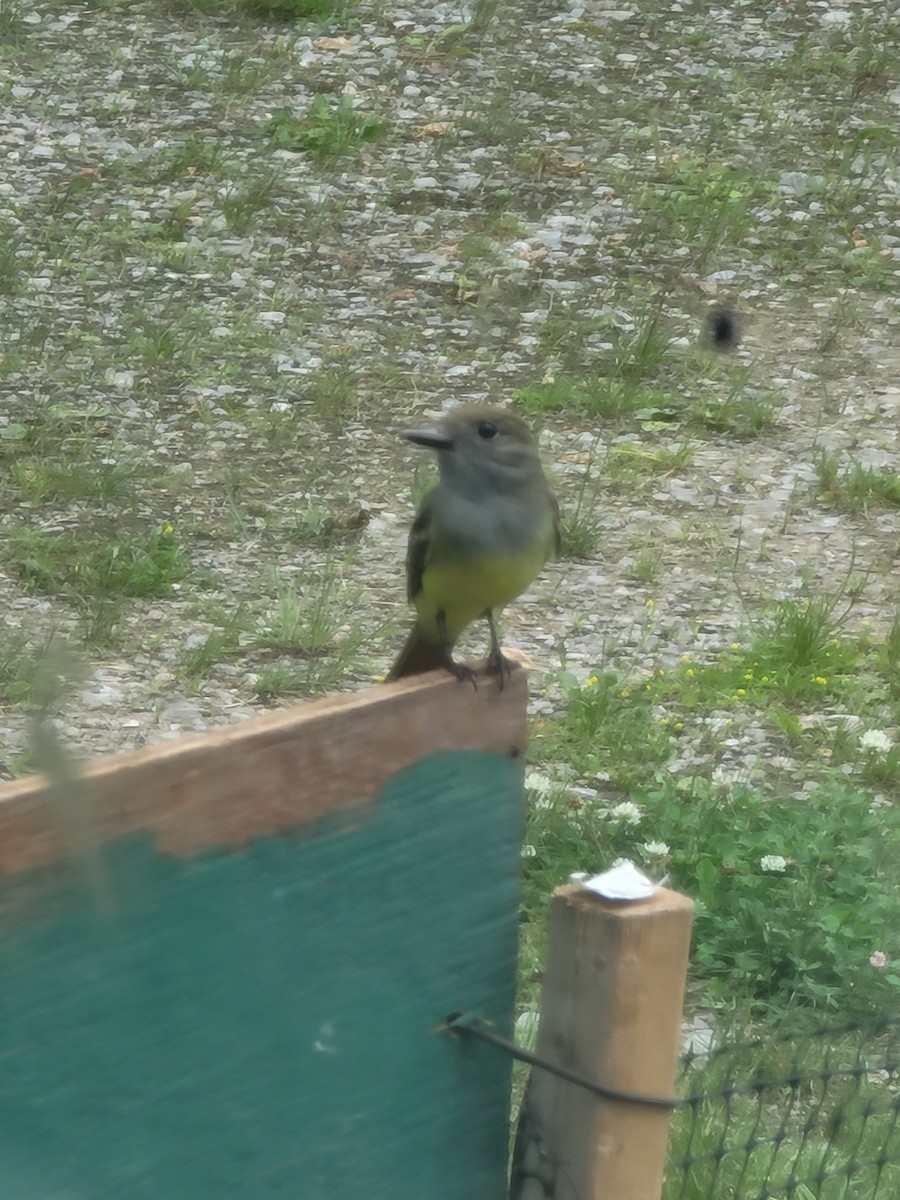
487	429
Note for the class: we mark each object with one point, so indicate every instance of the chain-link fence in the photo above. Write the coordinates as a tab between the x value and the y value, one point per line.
809	1116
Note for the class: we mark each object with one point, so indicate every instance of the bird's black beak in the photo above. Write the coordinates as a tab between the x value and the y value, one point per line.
434	439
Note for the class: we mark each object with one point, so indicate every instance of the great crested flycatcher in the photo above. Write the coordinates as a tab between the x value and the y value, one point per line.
480	536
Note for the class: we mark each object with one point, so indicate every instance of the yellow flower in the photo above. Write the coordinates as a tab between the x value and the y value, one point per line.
741	692
690	672
167	529
651	604
592	682
624	693
685	658
820	680
679	725
735	646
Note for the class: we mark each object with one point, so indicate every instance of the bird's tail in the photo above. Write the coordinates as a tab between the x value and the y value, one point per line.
417	656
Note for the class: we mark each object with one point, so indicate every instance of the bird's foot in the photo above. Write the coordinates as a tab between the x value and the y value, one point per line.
461	672
501	666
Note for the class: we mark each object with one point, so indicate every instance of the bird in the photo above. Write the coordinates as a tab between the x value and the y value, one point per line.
479	538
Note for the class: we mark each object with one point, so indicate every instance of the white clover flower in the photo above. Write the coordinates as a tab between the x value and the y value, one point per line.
655	849
729	777
627	811
774	863
876	740
529	851
535	782
542	788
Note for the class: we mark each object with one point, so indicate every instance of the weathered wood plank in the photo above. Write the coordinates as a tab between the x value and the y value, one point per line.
230	785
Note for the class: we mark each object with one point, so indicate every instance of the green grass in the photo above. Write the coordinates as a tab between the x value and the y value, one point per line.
300	637
647	566
64	480
663	387
581	531
794	652
854	487
242	205
35	674
86	566
741	414
793	894
293	10
326	130
332	391
606	398
703	205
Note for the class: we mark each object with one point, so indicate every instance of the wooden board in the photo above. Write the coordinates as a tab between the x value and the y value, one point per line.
226	960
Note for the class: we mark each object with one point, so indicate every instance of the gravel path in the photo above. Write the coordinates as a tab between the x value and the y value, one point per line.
245	326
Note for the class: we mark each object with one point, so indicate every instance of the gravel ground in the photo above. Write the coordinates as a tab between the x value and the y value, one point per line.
250	324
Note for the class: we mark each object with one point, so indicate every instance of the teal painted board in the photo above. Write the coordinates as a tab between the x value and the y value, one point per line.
263	1021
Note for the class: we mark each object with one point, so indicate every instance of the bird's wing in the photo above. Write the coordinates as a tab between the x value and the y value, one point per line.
417	549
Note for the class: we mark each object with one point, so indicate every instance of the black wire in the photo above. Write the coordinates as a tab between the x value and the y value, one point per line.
466	1023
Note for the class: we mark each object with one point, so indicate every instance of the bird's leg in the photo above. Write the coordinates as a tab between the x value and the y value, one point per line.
459	670
497	663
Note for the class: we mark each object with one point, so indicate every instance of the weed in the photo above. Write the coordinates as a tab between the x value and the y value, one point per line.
647	566
794	654
628	463
305	617
85	566
331	391
762	862
14	255
855	487
610	730
192	157
101	621
741	414
293	10
580	532
580	524
195	663
44	480
12	23
35	674
609	399
326	130
240	206
703	206
888	657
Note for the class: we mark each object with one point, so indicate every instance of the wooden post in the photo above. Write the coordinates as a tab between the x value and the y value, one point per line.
611	1011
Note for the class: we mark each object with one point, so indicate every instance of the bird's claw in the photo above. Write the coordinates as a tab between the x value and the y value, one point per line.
462	673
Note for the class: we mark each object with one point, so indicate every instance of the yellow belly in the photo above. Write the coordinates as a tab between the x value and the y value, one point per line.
465	589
